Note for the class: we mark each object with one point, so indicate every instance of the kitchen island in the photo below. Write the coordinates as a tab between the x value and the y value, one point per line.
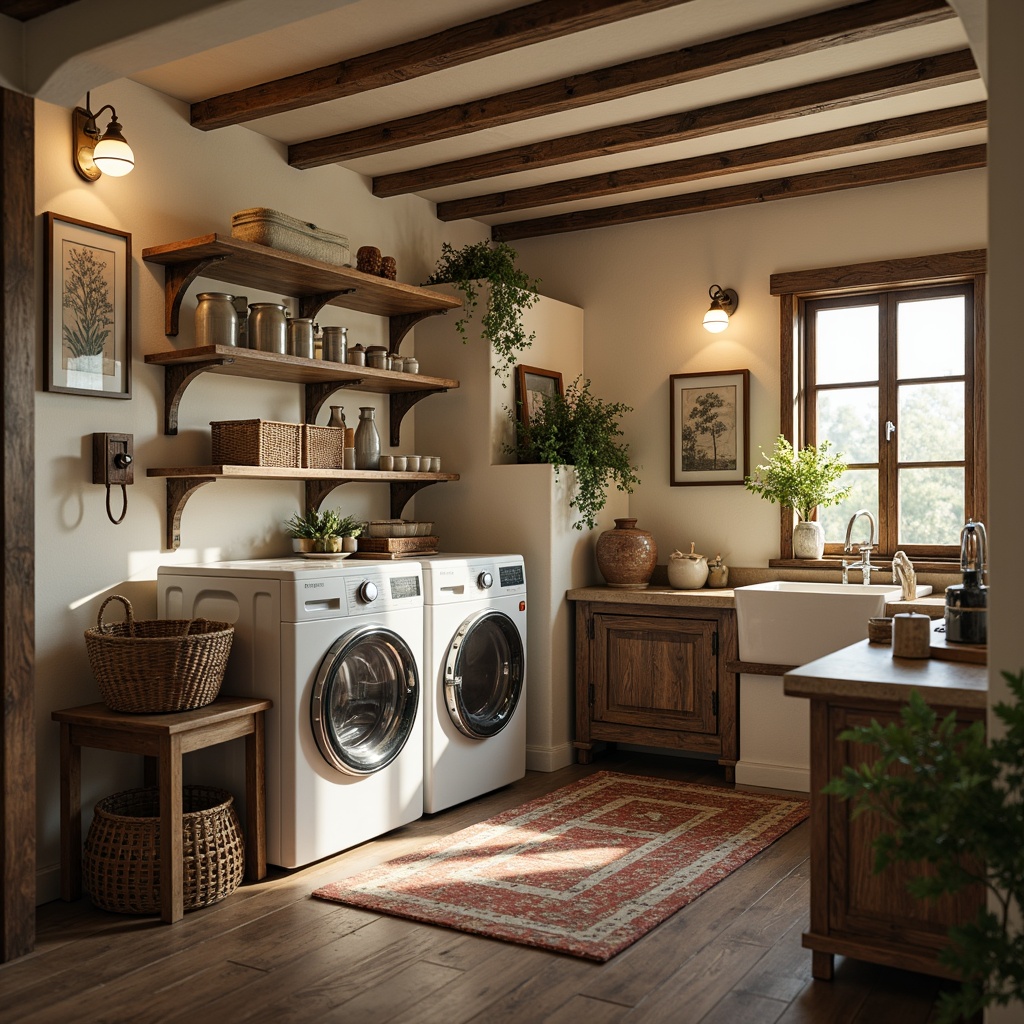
854	911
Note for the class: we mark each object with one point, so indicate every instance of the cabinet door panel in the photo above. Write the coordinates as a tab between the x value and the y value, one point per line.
657	672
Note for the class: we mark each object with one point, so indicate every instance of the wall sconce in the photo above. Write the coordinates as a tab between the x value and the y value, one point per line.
94	154
723	304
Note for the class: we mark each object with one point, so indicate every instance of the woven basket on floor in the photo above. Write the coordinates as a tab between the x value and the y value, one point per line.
158	665
121	861
256	443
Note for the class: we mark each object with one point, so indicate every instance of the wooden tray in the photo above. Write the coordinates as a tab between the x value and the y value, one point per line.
397	545
941	648
394	554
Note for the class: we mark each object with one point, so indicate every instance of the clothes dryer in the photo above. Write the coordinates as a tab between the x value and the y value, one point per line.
474	692
338	647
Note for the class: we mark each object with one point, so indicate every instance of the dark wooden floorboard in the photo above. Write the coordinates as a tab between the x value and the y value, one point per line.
270	952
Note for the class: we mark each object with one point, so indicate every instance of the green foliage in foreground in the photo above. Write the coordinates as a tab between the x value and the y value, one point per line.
956	803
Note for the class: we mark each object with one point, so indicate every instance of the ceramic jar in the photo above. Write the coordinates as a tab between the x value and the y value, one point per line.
216	319
367	440
687	572
718	573
626	556
808	539
337	417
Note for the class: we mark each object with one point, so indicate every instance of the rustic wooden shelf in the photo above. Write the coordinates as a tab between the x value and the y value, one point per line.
320	379
184	481
313	283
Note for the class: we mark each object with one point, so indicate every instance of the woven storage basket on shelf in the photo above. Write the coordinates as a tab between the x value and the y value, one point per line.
121	861
323	447
153	665
256	443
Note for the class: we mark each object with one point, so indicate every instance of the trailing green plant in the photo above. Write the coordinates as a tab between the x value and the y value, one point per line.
511	292
955	803
801	480
578	429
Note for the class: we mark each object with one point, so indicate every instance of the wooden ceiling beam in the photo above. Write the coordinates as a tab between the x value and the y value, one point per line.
881	83
883	172
910	128
841	26
485	37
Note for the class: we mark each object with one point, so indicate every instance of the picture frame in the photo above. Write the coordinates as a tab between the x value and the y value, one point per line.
87	341
533	385
709	416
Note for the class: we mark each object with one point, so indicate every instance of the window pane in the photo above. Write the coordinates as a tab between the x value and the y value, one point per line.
846	344
931	427
931	505
849	419
864	495
930	337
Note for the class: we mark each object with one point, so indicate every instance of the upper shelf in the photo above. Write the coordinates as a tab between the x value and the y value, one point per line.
314	283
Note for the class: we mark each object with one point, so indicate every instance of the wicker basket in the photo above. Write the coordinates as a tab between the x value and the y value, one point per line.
323	447
157	665
121	862
256	443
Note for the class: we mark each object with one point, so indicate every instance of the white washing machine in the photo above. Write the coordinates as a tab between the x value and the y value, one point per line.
338	647
474	678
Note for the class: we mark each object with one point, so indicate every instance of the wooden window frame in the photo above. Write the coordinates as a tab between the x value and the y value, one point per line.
795	289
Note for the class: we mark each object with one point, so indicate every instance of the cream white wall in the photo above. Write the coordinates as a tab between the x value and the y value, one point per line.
186	183
645	291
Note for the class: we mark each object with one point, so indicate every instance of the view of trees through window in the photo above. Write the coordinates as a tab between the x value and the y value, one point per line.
887	385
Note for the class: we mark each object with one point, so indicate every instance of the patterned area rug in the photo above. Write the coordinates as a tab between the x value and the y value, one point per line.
585	870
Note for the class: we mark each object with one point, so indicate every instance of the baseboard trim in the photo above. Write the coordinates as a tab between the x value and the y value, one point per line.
773	776
550	759
47	884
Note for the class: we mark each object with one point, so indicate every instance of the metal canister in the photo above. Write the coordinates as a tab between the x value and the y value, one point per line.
268	330
335	344
216	319
300	337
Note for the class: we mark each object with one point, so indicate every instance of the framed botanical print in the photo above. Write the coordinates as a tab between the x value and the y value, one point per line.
709	415
87	309
533	385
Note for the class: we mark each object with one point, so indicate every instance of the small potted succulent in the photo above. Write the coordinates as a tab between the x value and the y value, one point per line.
326	531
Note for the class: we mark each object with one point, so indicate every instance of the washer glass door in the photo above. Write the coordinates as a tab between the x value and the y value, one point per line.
484	674
365	700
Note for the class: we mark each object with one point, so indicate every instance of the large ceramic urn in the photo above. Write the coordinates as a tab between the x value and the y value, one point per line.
626	556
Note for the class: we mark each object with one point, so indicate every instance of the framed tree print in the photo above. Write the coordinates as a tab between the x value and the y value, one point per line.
87	309
533	385
710	423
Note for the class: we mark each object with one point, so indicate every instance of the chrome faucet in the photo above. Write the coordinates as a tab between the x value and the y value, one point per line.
864	564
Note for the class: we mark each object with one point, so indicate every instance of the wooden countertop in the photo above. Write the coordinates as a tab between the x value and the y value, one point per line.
655	595
869	671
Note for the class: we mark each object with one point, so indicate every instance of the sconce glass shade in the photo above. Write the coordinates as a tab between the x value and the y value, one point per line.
723	304
112	154
94	154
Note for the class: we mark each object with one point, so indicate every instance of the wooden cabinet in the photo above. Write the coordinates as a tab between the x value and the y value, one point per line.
854	911
655	675
315	284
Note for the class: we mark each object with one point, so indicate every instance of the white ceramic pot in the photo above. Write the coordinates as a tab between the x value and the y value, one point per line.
687	572
808	540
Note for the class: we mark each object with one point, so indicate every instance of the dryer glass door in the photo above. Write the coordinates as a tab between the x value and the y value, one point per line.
365	700
484	674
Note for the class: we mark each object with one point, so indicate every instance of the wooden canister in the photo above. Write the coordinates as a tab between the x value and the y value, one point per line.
911	635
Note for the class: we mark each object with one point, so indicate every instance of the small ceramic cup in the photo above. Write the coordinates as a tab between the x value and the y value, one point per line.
399	463
387	463
435	464
413	463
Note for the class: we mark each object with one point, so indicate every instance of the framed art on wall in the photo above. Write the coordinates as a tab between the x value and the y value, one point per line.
87	342
709	415
533	385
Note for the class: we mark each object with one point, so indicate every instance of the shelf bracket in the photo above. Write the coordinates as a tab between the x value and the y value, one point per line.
177	378
319	391
177	278
401	324
317	491
400	402
179	490
402	491
310	305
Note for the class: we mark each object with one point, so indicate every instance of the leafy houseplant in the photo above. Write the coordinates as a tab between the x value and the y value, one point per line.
324	531
577	429
511	292
960	809
801	480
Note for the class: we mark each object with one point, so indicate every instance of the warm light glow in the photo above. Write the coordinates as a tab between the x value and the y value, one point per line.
114	157
716	320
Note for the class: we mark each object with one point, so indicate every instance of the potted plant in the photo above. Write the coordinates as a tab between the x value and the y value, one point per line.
324	531
511	292
956	803
802	481
578	429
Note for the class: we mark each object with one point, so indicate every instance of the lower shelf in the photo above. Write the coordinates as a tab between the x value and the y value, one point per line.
184	481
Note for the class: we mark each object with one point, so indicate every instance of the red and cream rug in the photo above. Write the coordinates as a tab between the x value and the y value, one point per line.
585	870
